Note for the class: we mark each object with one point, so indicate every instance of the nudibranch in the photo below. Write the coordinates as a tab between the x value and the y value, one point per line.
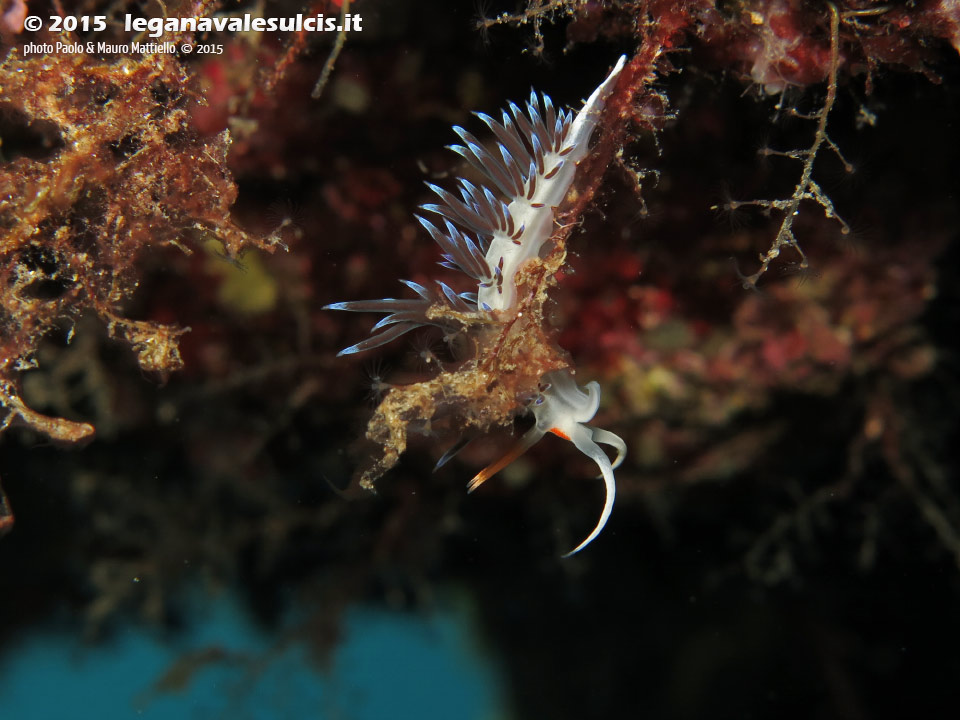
489	233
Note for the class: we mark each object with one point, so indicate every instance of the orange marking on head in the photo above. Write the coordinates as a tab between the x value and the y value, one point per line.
559	433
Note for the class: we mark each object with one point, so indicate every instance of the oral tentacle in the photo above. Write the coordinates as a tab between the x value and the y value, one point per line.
528	440
582	438
606	437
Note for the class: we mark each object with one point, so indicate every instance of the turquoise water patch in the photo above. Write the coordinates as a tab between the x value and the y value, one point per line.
387	665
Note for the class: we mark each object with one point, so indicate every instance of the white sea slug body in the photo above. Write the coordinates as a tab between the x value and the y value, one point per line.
558	143
489	232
